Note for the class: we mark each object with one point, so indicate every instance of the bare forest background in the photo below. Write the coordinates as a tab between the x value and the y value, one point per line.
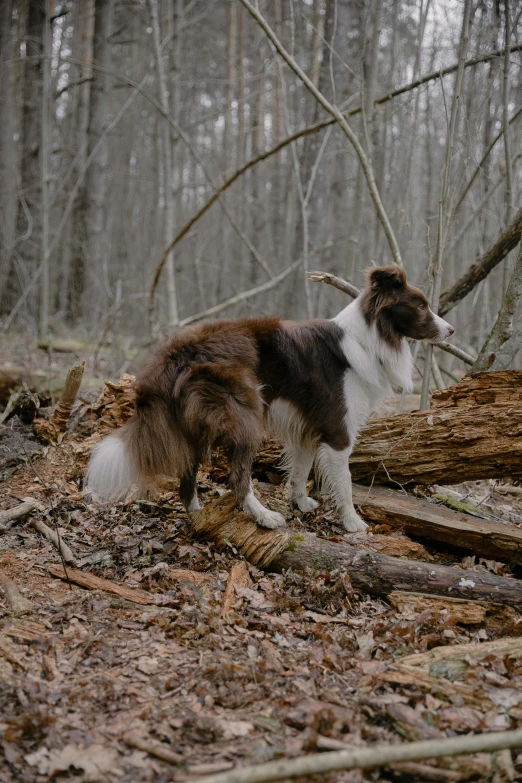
122	119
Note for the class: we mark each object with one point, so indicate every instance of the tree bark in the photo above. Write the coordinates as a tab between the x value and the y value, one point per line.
427	520
29	217
443	445
96	179
7	166
370	572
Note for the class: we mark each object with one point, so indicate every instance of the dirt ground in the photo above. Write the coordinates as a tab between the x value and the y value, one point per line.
97	687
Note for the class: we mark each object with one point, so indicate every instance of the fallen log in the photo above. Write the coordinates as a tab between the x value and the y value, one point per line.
371	572
424	519
471	432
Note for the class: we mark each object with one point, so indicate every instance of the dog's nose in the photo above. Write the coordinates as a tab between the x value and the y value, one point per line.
450	330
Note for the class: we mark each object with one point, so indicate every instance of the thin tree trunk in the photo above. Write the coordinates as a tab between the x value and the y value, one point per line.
8	172
96	179
172	302
46	65
29	218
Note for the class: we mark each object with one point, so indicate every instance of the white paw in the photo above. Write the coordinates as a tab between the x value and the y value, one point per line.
193	505
270	519
352	522
262	515
305	504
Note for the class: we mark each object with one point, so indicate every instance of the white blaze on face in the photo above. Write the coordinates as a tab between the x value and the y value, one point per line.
445	329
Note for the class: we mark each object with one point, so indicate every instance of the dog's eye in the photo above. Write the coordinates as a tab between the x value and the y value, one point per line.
421	307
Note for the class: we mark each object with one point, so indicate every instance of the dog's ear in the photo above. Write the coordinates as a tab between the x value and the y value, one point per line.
386	278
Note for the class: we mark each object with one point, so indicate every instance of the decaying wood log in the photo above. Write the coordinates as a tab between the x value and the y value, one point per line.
457	610
369	571
460	652
484	388
424	519
465	436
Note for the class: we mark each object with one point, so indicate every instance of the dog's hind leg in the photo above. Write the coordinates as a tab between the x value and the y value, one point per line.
187	484
299	459
242	457
187	490
334	471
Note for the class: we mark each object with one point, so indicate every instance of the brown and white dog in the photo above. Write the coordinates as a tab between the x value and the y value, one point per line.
313	384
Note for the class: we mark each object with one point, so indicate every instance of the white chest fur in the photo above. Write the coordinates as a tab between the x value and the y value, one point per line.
376	369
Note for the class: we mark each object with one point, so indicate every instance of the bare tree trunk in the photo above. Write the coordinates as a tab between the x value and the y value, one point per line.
73	260
45	118
27	251
172	302
96	179
444	203
8	172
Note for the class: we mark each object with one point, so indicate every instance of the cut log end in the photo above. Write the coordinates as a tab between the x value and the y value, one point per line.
223	523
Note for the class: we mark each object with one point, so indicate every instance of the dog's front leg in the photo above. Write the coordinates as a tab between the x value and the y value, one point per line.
334	470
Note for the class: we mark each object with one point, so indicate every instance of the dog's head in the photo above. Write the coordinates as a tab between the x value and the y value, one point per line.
399	309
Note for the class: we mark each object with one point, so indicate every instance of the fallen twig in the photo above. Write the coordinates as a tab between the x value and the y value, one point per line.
368	758
17	512
14	598
158	749
84	579
13	399
456	652
54	537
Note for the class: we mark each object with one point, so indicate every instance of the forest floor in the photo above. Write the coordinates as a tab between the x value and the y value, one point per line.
96	687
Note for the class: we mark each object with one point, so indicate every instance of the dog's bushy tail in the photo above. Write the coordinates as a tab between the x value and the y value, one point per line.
175	424
148	446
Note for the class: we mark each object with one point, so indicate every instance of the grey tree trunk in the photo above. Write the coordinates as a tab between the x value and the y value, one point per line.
26	253
96	179
8	172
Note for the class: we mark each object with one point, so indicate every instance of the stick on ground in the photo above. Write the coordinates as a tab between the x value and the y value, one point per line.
17	512
54	538
92	582
13	596
368	758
